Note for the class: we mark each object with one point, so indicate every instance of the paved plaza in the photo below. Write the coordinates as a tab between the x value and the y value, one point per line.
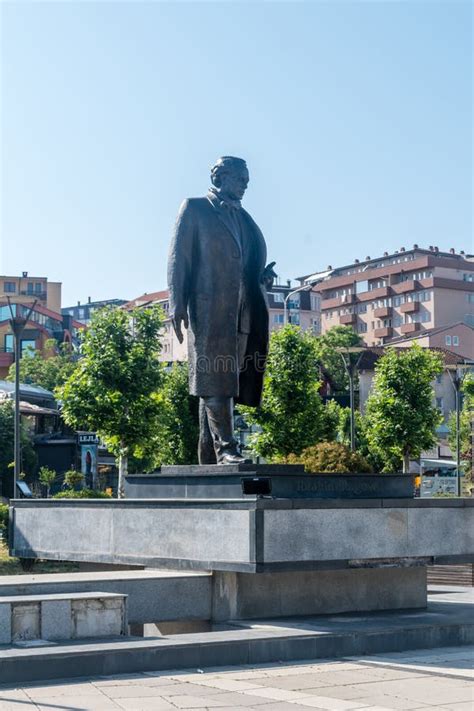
441	679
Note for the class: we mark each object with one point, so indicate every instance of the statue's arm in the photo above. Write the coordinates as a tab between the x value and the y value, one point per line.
179	268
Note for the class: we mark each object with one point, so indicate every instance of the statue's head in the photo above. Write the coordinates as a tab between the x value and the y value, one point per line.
230	176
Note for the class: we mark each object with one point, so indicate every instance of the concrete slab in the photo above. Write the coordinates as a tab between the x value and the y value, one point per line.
262	535
262	641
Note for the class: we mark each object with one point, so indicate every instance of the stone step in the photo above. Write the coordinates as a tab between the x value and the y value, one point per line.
152	594
261	641
26	618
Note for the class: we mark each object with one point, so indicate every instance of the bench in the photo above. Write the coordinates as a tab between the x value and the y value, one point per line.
85	615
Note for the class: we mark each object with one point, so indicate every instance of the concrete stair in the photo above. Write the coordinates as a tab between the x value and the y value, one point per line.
442	624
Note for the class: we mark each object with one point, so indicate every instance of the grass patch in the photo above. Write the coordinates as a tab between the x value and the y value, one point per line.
12	566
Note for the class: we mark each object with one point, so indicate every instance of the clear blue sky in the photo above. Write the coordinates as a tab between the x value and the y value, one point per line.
355	120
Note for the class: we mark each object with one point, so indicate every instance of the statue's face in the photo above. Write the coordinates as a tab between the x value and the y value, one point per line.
234	182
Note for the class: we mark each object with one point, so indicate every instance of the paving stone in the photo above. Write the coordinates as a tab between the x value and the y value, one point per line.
148	704
225	684
164	690
83	703
227	700
330	703
272	692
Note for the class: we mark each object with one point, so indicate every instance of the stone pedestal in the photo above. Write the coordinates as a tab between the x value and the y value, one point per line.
237	596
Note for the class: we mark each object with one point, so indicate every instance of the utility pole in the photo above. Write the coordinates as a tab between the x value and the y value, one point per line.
17	324
351	366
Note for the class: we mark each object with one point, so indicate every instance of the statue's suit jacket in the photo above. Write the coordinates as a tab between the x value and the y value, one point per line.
216	275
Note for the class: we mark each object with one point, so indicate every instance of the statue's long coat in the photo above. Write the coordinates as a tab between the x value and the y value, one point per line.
217	278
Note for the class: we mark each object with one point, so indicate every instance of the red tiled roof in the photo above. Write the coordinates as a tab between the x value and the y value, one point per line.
371	355
150	298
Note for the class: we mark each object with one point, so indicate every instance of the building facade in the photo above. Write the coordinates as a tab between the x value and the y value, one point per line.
45	322
83	312
302	310
400	295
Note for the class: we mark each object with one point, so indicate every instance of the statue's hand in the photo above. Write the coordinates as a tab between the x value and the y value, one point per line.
180	316
269	275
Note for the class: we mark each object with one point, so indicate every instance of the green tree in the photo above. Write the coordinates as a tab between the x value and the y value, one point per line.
113	390
49	369
47	477
401	416
291	413
329	358
28	456
175	440
466	429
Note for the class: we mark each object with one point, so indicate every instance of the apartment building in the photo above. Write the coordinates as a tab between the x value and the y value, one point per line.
44	323
399	295
83	312
302	310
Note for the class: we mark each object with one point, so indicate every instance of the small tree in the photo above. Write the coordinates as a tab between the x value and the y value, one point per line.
401	416
290	416
113	389
330	359
466	429
49	369
73	478
47	477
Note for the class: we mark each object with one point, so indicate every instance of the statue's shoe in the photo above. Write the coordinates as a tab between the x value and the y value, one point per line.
232	458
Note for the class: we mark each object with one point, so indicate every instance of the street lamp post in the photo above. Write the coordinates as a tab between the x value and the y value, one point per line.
17	324
455	372
305	287
351	366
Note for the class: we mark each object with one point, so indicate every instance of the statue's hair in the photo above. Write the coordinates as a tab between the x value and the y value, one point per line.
222	165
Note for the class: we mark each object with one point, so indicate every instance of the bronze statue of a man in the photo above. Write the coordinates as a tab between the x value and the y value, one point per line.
217	280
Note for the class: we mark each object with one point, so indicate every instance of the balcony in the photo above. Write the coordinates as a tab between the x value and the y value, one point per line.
347	319
405	286
383	312
410	307
380	293
409	328
385	332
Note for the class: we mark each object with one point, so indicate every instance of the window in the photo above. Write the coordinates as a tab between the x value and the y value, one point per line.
361	286
29	287
9	287
362	327
397	321
455	340
38	287
447	340
468	277
27	346
278	296
278	318
425	316
9	345
470	298
362	308
294	319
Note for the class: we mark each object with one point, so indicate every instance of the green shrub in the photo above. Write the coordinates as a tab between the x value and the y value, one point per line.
82	494
73	478
330	458
4	512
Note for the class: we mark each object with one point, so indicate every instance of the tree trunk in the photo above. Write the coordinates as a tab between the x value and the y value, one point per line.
123	471
406	462
48	489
